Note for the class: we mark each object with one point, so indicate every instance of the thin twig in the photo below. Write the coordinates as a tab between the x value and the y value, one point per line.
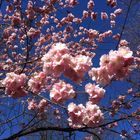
124	24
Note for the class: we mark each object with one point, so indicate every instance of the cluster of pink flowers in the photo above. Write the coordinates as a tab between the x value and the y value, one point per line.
14	85
42	104
78	66
123	43
16	19
69	18
104	35
71	3
61	92
104	15
95	92
118	103
118	11
33	105
112	3
86	14
90	5
80	116
115	65
30	11
92	33
32	33
116	37
113	16
58	60
36	82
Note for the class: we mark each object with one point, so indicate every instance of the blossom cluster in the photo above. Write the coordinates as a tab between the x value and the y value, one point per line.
104	35
36	82
40	107
71	3
115	65
119	103
58	60
81	116
113	16
95	92
61	92
55	59
14	85
112	3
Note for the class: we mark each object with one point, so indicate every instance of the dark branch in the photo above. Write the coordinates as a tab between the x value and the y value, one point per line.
124	24
68	129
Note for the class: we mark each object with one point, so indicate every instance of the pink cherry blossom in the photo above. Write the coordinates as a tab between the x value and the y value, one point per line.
85	14
100	75
42	105
104	15
93	15
76	115
123	43
92	33
82	64
80	116
72	2
59	61
112	16
90	5
32	105
114	65
93	115
112	3
118	11
116	37
55	59
125	52
36	82
96	93
104	35
104	60
14	85
78	67
112	23
61	92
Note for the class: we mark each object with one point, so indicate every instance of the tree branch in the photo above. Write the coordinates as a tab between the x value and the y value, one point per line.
124	24
67	129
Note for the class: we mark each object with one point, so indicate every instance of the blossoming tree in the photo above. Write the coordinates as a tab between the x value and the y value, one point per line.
47	69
